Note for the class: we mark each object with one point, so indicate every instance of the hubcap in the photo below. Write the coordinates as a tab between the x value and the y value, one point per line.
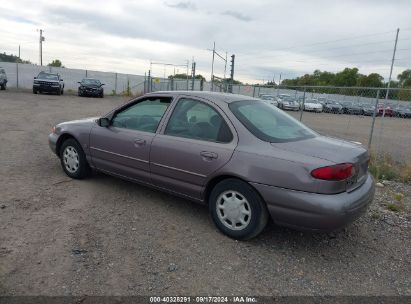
233	210
71	159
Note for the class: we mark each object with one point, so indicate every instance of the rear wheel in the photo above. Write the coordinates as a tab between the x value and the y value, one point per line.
73	159
237	209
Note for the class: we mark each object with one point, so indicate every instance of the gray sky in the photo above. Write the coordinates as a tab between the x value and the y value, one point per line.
268	37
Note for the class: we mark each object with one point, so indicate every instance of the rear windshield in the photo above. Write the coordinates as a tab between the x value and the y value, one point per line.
269	123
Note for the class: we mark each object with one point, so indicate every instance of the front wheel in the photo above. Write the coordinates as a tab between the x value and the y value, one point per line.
237	209
73	159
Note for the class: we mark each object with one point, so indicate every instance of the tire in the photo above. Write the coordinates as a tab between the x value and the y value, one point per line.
102	95
253	223
73	160
79	94
62	91
34	91
58	92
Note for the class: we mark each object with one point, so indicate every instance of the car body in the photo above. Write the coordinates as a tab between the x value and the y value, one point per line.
3	79
247	160
352	108
286	102
313	105
91	87
270	99
368	109
48	83
332	106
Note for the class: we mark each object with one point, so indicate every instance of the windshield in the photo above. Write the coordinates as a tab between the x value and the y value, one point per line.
91	81
48	76
269	123
312	101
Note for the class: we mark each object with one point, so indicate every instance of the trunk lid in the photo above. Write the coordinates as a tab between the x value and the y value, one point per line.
334	150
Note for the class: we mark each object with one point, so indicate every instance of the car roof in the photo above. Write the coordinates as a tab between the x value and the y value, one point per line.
212	96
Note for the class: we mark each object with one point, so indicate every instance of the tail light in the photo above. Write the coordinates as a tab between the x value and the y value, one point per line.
334	173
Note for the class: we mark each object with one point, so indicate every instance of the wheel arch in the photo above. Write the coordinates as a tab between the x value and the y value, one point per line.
219	178
62	138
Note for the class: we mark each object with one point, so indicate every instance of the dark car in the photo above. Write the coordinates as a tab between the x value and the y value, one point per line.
332	106
245	159
91	87
402	111
350	107
3	79
48	83
368	109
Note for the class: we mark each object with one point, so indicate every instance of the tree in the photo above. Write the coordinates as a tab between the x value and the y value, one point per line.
56	63
346	78
184	76
12	58
374	80
404	78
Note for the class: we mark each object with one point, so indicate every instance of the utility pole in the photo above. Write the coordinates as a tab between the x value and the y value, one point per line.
212	69
193	75
230	87
279	82
41	46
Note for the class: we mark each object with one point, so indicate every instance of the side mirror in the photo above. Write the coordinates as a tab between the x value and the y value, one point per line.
35	77
79	82
104	122
61	79
103	84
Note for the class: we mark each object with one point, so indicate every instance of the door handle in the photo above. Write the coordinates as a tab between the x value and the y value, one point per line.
208	155
139	142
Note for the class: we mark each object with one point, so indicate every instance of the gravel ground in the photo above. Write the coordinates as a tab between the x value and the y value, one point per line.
105	236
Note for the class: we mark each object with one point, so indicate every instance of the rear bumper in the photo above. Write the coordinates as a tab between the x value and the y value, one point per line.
313	211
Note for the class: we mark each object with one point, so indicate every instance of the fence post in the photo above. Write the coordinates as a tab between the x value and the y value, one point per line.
17	75
302	106
115	84
253	91
373	119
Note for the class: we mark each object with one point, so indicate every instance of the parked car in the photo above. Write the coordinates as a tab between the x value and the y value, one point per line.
91	87
313	105
388	110
368	109
3	79
350	107
402	111
49	83
332	106
244	158
270	99
286	102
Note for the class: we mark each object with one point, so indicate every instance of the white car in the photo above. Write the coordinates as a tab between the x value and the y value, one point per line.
270	99
313	105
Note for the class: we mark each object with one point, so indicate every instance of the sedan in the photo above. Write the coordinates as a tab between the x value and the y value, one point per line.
269	99
313	105
246	160
333	107
352	108
288	103
91	87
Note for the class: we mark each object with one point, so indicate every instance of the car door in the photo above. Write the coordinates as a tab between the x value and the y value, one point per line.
195	142
123	148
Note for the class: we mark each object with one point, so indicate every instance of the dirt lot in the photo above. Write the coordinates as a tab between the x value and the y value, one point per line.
105	236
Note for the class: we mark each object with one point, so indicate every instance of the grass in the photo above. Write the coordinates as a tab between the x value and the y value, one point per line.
385	168
393	207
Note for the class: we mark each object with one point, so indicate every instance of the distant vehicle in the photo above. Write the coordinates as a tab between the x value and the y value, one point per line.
91	87
286	102
3	79
402	111
270	99
49	83
313	105
368	109
350	107
388	110
332	106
